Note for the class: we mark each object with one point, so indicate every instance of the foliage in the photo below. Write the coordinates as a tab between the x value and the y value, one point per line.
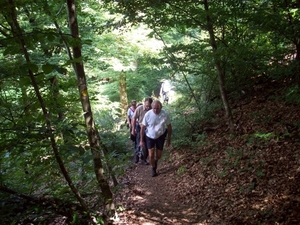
251	178
148	41
190	124
292	95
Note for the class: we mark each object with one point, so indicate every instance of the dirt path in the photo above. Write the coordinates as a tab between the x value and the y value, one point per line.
151	200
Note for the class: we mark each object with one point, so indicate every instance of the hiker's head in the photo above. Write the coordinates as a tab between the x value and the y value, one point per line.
156	106
133	103
147	103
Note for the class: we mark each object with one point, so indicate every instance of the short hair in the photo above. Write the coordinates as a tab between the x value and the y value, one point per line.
133	102
150	100
158	102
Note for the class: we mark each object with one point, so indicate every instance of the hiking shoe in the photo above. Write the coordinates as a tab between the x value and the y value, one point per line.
136	158
144	162
153	173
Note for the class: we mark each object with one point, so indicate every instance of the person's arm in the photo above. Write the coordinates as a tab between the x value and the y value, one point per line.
142	137
128	118
133	121
169	127
128	121
160	92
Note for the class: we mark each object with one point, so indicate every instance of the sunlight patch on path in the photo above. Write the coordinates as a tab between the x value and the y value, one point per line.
153	201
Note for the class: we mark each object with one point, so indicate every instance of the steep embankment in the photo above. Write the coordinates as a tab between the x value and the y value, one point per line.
250	178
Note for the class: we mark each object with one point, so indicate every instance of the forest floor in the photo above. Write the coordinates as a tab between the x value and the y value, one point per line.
152	200
250	178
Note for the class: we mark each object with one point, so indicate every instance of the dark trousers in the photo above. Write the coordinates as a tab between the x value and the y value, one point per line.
137	149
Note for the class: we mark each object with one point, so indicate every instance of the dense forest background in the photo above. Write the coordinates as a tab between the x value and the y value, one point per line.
69	69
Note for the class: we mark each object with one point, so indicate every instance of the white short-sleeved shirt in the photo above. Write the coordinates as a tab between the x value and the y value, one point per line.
130	112
156	124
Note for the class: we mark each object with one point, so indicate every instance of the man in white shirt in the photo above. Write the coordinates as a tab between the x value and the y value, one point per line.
157	126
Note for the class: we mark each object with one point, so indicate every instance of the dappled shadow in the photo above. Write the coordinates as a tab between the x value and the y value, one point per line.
166	169
151	200
166	214
250	179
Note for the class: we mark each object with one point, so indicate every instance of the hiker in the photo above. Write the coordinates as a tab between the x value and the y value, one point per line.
138	116
130	113
164	91
157	126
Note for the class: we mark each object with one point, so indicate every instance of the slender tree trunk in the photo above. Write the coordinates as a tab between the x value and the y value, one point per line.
220	72
17	32
173	58
295	40
92	132
297	44
123	94
109	168
102	146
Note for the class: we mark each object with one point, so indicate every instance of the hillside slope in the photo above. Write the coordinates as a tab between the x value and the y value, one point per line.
248	178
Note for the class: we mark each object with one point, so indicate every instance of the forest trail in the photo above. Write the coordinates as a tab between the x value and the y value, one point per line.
250	179
151	200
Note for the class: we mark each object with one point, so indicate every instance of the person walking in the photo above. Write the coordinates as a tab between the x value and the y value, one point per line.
164	91
130	113
138	116
156	126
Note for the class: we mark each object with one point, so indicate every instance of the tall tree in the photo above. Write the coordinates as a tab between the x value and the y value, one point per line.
184	16
18	35
279	20
92	132
217	61
123	93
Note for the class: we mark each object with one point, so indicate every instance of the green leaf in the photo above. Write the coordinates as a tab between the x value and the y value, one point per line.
87	159
61	70
33	67
77	60
47	68
11	50
51	37
72	149
88	42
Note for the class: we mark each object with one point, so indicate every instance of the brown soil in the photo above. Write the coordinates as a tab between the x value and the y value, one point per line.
151	200
250	178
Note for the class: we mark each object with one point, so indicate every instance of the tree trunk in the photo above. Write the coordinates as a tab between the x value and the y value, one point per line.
220	72
92	132
102	146
296	39
19	35
123	94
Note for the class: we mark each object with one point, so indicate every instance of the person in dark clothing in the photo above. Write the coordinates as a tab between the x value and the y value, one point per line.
137	121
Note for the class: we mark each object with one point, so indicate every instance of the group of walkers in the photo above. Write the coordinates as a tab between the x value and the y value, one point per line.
150	127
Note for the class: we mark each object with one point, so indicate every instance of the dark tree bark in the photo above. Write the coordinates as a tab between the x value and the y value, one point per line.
123	93
295	39
17	33
220	72
92	132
